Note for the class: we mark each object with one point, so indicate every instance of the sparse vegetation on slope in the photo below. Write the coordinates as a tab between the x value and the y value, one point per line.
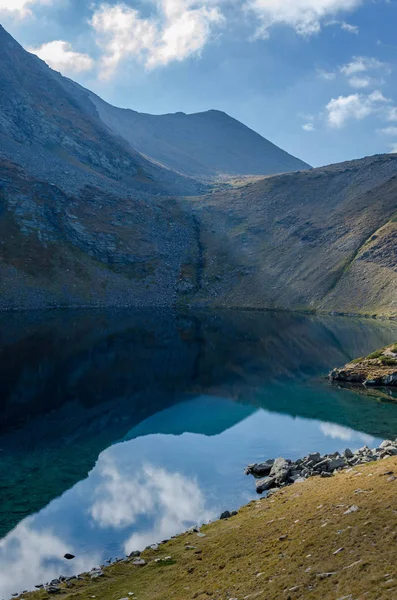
324	538
320	240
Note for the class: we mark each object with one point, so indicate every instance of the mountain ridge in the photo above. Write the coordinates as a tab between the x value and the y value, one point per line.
206	145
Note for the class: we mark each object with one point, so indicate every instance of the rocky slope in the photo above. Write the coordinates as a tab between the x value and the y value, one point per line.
207	145
88	249
51	130
377	369
324	239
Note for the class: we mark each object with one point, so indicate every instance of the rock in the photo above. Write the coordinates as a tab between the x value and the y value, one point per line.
336	463
225	515
261	469
69	556
139	562
262	485
351	510
154	547
325	575
386	444
338	551
322	465
326	474
134	554
201	535
280	470
164	559
348	453
53	589
96	574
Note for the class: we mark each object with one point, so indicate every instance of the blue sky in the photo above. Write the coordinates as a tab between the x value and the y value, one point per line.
316	77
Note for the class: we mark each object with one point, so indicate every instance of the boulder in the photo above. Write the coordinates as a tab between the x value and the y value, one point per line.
260	469
263	485
280	470
336	463
225	515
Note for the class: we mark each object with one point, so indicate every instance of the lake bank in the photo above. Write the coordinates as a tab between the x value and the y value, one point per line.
320	538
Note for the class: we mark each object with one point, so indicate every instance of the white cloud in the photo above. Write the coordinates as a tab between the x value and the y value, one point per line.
391	113
179	29
21	8
360	82
393	148
355	106
305	16
356	71
308	127
349	28
388	131
361	64
327	75
60	56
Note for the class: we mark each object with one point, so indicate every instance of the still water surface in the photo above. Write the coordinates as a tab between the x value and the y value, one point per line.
121	429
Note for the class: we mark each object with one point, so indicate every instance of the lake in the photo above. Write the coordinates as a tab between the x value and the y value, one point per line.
120	428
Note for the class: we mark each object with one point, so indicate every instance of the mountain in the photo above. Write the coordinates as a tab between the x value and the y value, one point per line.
86	220
206	145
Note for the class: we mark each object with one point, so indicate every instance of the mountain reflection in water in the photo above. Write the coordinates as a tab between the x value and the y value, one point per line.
163	411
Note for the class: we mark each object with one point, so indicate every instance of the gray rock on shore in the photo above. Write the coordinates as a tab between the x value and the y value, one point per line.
273	474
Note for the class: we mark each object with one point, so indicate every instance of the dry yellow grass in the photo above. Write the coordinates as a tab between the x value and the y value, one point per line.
299	543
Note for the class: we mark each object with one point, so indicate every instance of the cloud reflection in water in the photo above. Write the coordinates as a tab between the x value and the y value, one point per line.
172	502
29	557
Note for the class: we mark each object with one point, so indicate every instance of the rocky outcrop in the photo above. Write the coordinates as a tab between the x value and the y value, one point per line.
286	472
376	370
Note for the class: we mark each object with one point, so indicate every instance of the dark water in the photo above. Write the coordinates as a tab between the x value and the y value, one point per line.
120	429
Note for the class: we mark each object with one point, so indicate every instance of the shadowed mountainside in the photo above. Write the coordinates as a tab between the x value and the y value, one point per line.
52	130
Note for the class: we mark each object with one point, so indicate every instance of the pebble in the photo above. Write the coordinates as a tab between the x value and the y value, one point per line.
338	550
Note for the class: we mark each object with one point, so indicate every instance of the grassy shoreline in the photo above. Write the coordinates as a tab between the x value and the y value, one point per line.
304	541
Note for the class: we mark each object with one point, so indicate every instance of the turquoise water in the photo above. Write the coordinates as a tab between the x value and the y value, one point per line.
121	429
